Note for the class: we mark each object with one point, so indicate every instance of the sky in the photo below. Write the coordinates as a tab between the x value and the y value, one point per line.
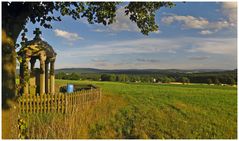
191	35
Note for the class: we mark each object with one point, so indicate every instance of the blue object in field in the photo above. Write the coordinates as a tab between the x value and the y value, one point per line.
70	88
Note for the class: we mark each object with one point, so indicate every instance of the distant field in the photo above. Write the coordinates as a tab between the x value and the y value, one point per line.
162	111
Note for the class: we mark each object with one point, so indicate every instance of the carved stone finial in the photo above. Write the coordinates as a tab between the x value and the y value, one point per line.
24	39
37	33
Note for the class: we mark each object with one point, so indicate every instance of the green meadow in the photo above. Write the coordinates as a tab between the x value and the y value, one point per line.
135	110
140	111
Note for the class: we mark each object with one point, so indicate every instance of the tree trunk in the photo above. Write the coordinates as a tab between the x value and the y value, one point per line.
10	33
8	68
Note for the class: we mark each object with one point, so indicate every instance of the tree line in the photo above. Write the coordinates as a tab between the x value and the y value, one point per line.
229	78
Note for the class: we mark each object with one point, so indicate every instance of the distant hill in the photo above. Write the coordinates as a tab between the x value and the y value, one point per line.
79	70
136	71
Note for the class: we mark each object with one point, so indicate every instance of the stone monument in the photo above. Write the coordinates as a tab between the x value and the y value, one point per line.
36	81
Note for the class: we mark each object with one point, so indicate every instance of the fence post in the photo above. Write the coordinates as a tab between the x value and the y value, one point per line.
30	103
52	103
62	104
34	103
37	104
27	104
66	103
48	103
45	103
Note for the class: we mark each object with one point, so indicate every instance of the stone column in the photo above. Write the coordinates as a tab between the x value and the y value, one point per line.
21	77
46	76
33	61
26	75
32	76
52	76
42	74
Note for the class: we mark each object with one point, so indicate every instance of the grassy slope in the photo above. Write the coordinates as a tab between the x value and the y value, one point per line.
164	111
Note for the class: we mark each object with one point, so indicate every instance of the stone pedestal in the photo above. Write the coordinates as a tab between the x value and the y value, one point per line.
46	76
42	74
52	78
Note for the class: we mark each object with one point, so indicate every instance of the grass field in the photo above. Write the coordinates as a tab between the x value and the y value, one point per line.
138	110
165	111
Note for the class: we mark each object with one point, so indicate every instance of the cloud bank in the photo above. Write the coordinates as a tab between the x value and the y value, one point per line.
224	46
229	9
67	35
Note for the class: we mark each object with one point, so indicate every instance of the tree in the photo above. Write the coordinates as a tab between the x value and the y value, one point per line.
185	80
15	15
165	79
121	78
231	81
209	81
73	76
60	75
217	82
108	77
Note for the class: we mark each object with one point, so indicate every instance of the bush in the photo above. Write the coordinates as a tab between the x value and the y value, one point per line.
217	82
185	80
209	81
231	81
108	77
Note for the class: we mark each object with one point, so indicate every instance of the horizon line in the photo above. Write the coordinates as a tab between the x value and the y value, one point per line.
145	68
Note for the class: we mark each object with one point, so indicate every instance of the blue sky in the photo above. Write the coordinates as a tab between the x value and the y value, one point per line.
191	36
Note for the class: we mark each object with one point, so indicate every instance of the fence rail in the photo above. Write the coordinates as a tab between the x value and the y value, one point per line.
58	103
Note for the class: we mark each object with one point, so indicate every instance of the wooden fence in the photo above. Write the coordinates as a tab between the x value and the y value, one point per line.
58	103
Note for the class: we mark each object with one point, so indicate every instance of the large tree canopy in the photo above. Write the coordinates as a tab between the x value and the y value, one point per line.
15	15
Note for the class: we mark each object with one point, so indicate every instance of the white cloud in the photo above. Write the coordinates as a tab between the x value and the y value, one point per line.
157	32
222	53
67	35
205	32
99	30
122	23
198	58
230	10
187	21
144	60
190	22
221	46
215	46
98	60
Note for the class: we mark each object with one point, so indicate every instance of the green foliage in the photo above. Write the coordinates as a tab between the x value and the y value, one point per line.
231	81
122	78
108	77
184	80
227	77
74	76
71	76
23	127
209	81
165	79
217	82
143	13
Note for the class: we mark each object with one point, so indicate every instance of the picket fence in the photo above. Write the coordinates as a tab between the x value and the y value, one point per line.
58	103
